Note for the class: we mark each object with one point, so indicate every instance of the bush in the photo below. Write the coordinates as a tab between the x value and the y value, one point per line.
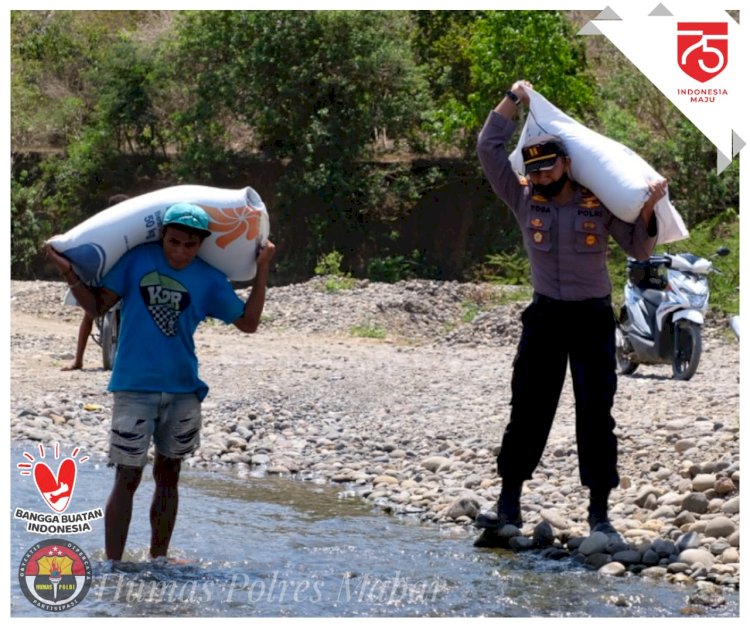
26	226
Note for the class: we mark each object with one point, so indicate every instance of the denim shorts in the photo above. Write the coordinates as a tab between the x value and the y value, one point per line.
172	419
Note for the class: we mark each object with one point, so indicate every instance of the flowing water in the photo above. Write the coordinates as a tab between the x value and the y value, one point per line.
266	547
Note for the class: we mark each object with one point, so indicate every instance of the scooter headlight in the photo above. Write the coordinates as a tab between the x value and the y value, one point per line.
697	301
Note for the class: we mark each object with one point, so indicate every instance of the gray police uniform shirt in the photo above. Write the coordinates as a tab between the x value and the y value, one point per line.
567	244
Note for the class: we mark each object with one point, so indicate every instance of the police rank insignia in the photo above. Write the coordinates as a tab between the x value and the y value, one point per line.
590	239
588	199
538	237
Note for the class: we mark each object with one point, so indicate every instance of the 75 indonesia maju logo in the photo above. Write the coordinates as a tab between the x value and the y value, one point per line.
702	49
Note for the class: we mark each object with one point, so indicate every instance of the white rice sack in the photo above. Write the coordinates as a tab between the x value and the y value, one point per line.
238	222
613	172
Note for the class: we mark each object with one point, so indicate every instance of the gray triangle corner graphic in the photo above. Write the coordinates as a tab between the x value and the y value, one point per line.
608	14
722	161
589	29
735	17
660	11
737	144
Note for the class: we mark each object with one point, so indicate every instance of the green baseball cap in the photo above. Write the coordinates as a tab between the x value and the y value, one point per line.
187	215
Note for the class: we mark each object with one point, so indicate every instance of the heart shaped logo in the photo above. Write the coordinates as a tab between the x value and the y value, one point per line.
56	490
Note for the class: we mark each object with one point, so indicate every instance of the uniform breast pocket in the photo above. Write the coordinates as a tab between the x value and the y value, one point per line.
590	235
538	230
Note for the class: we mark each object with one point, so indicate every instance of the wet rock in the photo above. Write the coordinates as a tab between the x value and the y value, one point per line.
597	560
655	573
520	543
543	535
613	569
627	557
708	596
464	506
595	543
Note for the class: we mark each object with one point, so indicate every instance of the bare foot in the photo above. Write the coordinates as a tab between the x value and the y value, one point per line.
73	366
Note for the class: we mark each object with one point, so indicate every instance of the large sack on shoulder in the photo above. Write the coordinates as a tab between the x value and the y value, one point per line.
613	172
238	222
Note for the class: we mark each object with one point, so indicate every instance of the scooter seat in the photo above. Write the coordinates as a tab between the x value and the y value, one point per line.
655	296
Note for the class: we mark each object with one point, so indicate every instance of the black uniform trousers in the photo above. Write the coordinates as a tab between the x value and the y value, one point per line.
555	332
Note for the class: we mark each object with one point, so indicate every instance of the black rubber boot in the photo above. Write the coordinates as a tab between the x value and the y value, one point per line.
598	518
507	510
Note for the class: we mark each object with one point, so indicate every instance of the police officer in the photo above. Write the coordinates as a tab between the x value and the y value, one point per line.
565	231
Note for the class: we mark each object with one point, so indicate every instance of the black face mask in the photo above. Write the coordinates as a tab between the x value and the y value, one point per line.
551	190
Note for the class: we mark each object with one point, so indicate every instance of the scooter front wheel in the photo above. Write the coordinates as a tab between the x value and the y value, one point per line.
625	366
110	330
688	346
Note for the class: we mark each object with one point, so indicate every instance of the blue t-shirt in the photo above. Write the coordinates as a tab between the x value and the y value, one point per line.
161	308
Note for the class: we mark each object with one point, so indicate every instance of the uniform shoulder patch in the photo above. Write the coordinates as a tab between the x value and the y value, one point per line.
589	199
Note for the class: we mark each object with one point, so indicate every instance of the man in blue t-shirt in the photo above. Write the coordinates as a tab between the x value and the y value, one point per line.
166	291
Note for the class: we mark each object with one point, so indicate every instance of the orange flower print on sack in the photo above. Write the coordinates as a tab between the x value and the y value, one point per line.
233	222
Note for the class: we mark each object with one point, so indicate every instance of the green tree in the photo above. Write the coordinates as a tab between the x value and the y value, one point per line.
509	45
314	89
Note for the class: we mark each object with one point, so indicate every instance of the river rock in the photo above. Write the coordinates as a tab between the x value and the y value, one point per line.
384	479
730	555
703	482
664	547
436	463
724	486
697	555
720	527
595	543
521	543
731	506
627	557
597	560
613	569
695	502
464	506
554	518
543	535
690	540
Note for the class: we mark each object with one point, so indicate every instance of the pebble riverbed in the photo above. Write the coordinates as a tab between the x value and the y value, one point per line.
399	393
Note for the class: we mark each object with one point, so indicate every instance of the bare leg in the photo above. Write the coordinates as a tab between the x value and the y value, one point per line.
165	502
84	331
119	510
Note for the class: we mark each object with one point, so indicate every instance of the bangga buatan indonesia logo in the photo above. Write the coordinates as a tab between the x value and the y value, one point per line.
56	489
702	49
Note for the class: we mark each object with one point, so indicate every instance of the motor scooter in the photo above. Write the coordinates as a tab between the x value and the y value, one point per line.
660	322
106	336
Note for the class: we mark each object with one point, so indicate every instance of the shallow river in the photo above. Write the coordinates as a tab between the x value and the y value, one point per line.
267	547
